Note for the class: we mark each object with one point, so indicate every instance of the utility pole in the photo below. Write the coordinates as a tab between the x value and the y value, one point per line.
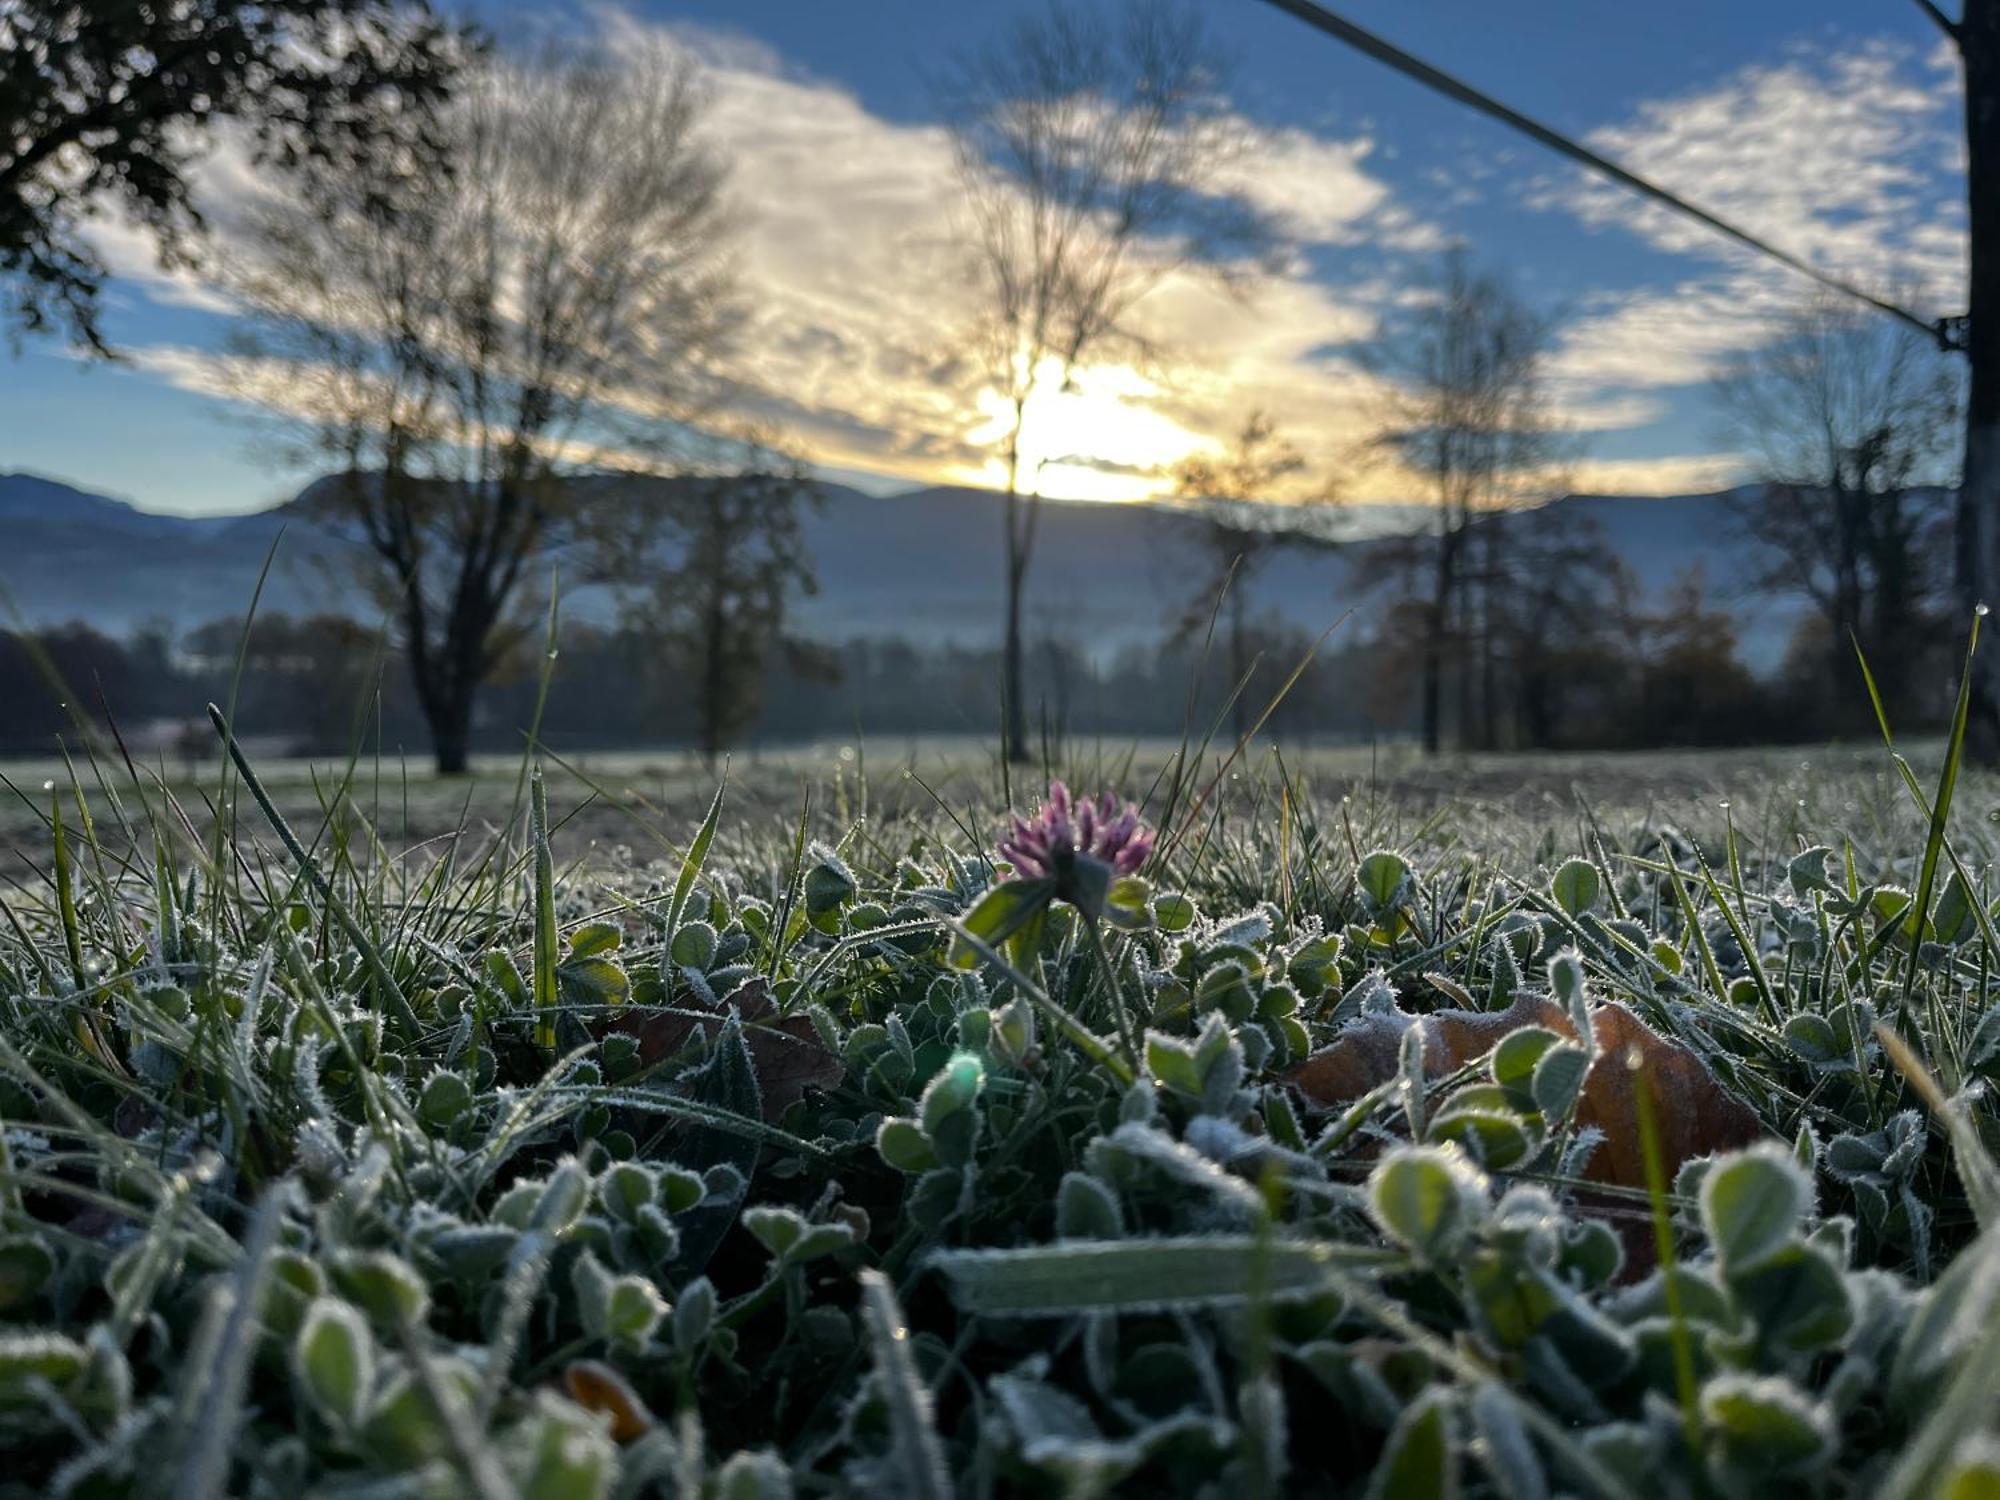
1977	35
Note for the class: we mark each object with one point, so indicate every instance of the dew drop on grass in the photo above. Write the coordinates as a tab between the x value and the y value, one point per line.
1980	610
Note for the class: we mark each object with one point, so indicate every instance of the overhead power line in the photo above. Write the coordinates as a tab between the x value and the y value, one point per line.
1944	330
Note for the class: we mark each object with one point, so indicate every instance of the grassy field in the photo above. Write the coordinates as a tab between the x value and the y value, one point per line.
1505	1126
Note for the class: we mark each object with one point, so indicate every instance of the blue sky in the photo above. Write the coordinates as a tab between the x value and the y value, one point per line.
1827	127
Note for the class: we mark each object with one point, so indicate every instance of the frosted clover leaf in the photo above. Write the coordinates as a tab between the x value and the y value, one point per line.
1079	846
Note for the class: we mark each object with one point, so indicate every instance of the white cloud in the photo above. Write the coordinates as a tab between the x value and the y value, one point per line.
861	299
1679	474
1849	160
860	294
853	247
1845	158
226	183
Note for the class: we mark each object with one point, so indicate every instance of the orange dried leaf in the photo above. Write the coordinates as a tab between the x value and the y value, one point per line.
597	1387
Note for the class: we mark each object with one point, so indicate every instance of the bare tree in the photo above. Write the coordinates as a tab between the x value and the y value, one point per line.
1095	155
706	570
1241	509
462	337
1853	422
1469	415
1556	613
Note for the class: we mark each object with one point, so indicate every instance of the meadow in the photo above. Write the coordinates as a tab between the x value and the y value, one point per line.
1340	1123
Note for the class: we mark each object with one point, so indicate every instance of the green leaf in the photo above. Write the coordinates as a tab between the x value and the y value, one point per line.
1765	1426
1172	1063
1061	1280
383	1285
25	1267
1427	1197
594	981
445	1097
1128	904
1420	1461
567	1459
26	1358
954	1090
1514	1059
751	1476
1087	1210
624	1187
697	854
1576	887
594	938
1496	1138
1572	992
334	1360
1796	1298
1751	1205
1010	909
1381	876
1558	1079
1956	918
904	1146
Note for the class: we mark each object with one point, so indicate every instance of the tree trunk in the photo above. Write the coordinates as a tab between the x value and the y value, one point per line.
1013	683
1239	659
714	685
1979	486
1436	623
449	717
1013	686
1489	663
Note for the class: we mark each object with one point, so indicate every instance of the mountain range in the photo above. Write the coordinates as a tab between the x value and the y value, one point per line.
923	565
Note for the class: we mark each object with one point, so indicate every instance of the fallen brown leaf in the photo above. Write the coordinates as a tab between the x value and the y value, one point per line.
1693	1115
785	1050
599	1388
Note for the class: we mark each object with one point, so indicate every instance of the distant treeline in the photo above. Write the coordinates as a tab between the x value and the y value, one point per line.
316	685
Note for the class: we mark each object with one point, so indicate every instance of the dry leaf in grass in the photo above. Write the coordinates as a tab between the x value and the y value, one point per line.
785	1050
1692	1113
597	1387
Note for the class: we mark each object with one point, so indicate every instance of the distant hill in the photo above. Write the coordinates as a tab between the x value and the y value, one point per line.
925	565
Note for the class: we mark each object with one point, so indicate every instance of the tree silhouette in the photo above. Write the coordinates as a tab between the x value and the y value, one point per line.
1240	509
1469	415
107	105
1853	421
465	344
1094	158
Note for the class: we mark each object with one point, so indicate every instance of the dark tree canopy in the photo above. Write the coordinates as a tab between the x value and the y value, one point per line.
108	103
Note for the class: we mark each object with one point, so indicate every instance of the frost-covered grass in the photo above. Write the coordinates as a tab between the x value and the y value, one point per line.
605	1136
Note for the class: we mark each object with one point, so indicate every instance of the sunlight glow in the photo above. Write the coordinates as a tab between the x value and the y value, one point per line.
1097	440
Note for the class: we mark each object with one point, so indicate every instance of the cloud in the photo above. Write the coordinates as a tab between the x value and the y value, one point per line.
854	250
860	294
226	183
861	298
1679	474
1849	159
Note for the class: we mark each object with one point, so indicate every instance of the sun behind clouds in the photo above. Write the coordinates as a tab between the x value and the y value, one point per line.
1099	438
